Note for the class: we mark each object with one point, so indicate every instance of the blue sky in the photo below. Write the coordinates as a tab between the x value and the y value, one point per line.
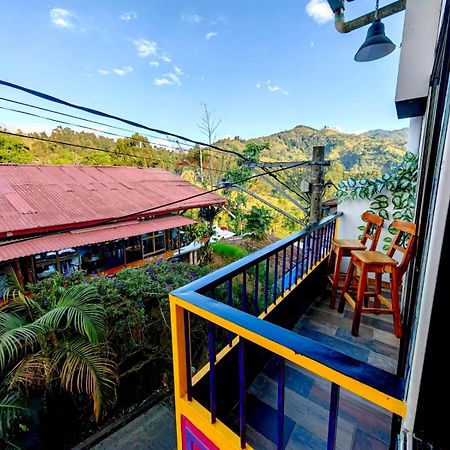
261	66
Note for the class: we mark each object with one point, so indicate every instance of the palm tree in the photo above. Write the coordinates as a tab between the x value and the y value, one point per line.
58	344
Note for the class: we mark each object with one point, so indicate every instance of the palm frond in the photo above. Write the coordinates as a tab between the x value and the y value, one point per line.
88	368
17	302
11	276
79	306
9	321
32	371
12	408
16	341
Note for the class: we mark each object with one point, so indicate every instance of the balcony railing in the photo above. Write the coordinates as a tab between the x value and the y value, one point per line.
231	304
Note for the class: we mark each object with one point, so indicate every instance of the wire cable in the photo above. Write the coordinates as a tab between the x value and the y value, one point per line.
76	125
87	120
113	117
85	147
148	210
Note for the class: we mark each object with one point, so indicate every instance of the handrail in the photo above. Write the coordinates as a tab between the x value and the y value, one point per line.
241	323
223	274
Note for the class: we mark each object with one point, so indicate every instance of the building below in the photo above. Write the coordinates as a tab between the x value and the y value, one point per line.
99	219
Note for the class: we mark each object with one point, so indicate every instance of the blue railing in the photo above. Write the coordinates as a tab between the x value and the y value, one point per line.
233	300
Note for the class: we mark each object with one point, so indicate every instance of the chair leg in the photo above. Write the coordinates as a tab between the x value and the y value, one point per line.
376	301
347	284
331	260
337	272
359	300
396	303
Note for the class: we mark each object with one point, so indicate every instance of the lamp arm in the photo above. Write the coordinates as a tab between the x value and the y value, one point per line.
345	27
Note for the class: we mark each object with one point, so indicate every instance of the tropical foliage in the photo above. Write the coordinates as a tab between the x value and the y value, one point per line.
82	335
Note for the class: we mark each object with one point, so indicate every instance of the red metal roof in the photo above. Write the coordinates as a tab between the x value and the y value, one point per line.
39	198
86	236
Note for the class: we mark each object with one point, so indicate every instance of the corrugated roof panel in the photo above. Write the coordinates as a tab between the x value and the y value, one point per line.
66	195
87	236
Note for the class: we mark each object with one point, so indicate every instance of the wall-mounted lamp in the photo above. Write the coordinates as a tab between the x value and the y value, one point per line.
377	45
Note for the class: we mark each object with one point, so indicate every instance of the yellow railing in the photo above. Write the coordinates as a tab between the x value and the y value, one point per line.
190	302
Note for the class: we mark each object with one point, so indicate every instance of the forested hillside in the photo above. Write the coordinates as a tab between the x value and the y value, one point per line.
359	155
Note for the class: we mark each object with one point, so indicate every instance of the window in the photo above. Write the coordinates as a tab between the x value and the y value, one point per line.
154	243
133	249
45	264
68	260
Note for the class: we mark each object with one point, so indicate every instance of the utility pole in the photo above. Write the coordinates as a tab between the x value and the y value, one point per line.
317	183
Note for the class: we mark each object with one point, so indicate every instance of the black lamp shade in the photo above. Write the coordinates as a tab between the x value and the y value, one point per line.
376	45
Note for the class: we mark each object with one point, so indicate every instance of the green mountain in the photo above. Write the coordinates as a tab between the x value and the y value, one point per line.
399	137
371	153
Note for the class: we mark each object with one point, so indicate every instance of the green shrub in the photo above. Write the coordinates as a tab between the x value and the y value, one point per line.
229	251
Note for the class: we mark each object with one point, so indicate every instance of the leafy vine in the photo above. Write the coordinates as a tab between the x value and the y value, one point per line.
401	183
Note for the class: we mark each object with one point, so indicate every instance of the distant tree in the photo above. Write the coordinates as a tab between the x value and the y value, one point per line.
258	221
208	126
13	150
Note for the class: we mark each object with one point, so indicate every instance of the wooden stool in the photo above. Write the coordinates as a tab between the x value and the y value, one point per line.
343	247
378	263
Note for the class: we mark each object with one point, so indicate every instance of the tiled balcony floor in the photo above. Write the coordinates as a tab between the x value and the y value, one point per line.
361	425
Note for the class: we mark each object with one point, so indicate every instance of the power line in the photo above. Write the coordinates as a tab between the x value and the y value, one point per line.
88	121
85	147
146	211
111	116
75	125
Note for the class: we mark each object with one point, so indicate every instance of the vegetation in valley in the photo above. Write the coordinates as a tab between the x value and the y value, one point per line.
366	155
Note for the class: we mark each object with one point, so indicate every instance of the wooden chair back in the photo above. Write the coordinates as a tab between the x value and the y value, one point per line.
403	242
372	230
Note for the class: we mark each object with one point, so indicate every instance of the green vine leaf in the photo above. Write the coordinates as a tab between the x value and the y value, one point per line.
392	230
382	200
386	247
383	213
361	228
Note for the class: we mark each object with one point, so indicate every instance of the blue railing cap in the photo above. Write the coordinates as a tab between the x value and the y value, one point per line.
225	273
379	379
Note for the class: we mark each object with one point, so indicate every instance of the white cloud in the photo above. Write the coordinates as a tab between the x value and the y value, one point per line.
154	63
165	58
125	70
174	78
272	87
177	70
277	89
62	17
104	72
145	48
191	17
312	44
161	81
319	10
128	15
211	34
170	78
